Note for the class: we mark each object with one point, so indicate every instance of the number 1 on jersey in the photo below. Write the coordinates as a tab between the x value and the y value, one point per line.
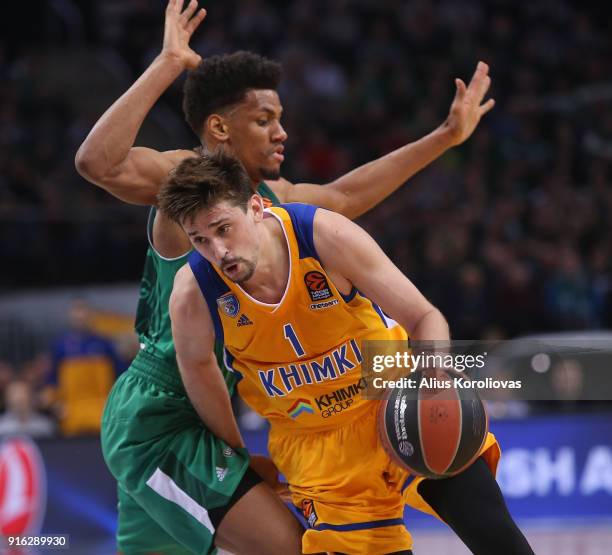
291	336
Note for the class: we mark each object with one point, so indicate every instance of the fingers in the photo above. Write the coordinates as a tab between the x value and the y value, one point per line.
481	71
486	83
487	107
195	21
480	82
189	11
461	89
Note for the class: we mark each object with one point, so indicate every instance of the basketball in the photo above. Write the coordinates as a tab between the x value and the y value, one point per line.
435	429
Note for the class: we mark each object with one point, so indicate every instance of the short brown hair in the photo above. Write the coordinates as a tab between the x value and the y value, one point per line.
200	182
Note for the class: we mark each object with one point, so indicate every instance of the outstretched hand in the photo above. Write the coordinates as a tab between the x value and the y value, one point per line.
467	107
179	27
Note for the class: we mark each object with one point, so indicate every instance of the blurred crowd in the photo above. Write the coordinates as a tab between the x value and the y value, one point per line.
61	390
508	234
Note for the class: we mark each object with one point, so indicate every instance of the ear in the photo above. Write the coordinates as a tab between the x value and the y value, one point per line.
257	207
216	127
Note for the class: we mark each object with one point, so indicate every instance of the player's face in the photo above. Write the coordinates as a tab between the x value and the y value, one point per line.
256	134
228	237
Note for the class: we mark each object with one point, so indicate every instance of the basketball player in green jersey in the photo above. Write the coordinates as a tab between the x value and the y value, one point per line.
180	489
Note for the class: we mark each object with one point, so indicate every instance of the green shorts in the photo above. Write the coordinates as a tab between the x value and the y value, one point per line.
171	471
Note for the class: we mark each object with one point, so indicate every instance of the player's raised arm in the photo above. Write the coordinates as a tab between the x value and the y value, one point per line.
108	156
366	186
193	333
352	258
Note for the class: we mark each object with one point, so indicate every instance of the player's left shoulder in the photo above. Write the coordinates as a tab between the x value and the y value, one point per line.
330	223
330	232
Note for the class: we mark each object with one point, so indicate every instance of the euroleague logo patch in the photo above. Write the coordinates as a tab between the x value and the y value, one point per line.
23	487
317	286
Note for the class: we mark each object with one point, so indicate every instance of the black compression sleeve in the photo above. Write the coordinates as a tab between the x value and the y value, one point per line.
472	504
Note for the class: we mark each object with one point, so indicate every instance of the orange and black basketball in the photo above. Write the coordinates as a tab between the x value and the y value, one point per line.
433	431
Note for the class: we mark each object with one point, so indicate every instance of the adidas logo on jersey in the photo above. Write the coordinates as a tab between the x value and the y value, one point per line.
244	321
221	472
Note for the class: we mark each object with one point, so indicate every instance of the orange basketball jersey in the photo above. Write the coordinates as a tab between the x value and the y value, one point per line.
300	359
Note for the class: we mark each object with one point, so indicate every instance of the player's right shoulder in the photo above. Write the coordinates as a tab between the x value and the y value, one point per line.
185	285
186	294
188	307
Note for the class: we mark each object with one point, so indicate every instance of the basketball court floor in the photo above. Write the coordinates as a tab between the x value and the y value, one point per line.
546	538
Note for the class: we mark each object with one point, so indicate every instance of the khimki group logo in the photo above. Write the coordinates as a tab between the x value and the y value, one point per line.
23	487
300	406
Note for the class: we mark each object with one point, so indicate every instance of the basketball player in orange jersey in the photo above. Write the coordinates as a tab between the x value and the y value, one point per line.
291	292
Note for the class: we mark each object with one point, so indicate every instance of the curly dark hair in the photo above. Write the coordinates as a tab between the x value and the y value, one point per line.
200	182
220	81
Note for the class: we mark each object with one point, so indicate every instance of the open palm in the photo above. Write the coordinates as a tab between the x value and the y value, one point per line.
179	27
467	108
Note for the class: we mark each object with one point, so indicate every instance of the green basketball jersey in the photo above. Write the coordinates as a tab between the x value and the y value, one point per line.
152	316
